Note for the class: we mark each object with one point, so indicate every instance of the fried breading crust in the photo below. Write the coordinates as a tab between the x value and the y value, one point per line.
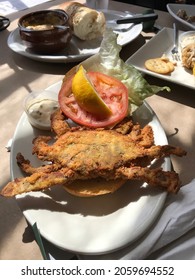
40	181
82	154
58	124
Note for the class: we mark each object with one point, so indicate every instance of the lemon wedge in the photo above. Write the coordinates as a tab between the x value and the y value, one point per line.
193	70
86	95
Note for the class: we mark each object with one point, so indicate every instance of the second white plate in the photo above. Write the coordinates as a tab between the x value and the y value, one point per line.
161	44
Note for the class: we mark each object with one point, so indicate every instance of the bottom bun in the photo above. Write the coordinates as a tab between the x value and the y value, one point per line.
93	187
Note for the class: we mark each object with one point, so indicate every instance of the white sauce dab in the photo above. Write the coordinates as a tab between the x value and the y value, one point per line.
39	112
188	40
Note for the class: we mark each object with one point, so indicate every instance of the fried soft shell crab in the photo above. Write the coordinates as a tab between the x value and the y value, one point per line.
108	156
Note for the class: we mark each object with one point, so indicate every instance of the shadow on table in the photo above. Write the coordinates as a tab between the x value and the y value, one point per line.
181	94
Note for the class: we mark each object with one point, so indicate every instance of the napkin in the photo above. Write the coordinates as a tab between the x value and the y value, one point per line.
12	6
173	233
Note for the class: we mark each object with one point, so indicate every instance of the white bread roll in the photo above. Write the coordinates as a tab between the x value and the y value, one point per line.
93	187
86	23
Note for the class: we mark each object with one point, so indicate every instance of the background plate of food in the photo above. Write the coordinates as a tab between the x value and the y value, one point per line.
78	49
160	47
184	15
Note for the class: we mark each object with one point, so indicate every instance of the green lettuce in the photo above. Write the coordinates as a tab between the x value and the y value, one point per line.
109	62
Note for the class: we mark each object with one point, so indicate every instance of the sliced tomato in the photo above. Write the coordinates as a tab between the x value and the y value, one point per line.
112	91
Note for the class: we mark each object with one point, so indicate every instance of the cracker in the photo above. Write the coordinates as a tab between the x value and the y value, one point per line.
171	66
159	65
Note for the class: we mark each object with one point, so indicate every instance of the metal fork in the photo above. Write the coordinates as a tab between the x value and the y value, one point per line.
174	51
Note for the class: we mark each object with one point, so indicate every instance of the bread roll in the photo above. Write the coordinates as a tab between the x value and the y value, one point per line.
93	187
86	23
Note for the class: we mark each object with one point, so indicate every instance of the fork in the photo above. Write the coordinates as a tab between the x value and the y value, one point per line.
174	51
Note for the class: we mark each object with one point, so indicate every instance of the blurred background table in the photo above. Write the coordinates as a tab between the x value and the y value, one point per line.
156	4
20	75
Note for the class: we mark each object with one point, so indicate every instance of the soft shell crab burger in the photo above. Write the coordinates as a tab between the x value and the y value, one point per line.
106	148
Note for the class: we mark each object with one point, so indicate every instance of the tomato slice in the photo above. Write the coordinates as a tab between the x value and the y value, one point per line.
112	91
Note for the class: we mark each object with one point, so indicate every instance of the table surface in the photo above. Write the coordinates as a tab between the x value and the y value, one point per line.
21	75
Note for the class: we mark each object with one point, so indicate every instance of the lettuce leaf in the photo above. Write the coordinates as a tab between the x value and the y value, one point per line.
110	63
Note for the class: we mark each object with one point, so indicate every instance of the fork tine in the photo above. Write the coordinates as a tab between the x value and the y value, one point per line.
176	56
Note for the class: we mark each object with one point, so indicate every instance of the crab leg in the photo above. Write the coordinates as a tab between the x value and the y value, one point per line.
39	181
25	166
168	180
58	123
35	182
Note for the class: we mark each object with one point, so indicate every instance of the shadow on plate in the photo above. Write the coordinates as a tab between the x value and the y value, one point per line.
58	200
75	47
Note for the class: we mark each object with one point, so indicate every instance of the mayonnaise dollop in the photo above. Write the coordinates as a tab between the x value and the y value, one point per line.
39	108
187	40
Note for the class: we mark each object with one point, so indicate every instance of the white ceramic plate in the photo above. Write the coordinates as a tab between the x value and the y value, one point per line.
89	225
77	50
161	44
190	10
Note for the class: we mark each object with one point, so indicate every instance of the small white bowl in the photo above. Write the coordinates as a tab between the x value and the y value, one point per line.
39	106
186	38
